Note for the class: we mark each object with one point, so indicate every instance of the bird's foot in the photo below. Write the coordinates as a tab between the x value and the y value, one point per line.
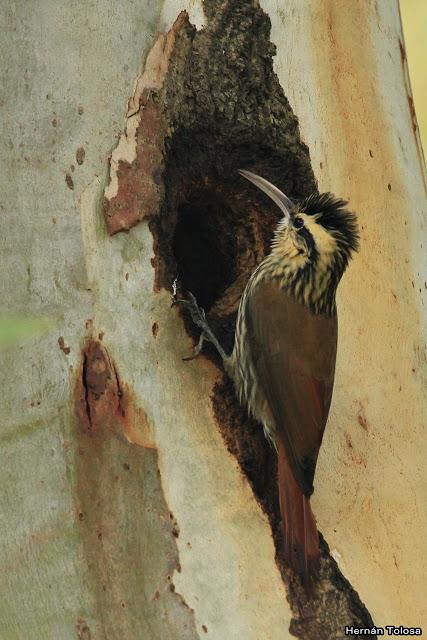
198	316
197	349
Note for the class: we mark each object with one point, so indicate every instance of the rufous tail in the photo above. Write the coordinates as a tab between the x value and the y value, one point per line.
301	538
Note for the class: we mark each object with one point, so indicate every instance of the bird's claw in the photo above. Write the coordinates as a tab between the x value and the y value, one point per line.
198	316
197	349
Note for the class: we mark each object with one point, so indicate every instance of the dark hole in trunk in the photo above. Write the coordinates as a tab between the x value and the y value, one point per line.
203	247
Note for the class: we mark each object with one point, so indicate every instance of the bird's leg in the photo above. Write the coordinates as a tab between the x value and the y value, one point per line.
198	316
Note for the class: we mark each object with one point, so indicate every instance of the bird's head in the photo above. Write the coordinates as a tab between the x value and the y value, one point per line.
317	232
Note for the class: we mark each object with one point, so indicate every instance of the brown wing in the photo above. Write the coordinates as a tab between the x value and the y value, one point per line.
293	352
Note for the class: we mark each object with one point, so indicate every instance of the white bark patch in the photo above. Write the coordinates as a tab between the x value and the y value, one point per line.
170	10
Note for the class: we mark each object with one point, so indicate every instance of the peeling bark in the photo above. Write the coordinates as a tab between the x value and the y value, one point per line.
136	188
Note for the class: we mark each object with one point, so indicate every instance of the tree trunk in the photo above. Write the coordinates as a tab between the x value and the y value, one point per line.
139	501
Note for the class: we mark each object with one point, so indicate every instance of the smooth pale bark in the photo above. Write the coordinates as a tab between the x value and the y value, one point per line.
341	66
85	548
68	75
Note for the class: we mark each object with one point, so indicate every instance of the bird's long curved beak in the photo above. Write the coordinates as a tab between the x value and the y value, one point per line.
283	202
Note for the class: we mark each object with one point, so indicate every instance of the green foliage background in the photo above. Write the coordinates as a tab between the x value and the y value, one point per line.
15	329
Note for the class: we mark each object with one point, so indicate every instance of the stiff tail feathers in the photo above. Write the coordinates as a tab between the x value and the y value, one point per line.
302	552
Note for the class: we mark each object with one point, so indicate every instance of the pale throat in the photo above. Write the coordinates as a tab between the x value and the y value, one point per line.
289	257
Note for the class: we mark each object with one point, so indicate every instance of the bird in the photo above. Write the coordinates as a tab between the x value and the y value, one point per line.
283	360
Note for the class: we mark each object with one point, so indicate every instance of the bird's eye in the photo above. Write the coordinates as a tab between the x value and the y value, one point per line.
298	223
